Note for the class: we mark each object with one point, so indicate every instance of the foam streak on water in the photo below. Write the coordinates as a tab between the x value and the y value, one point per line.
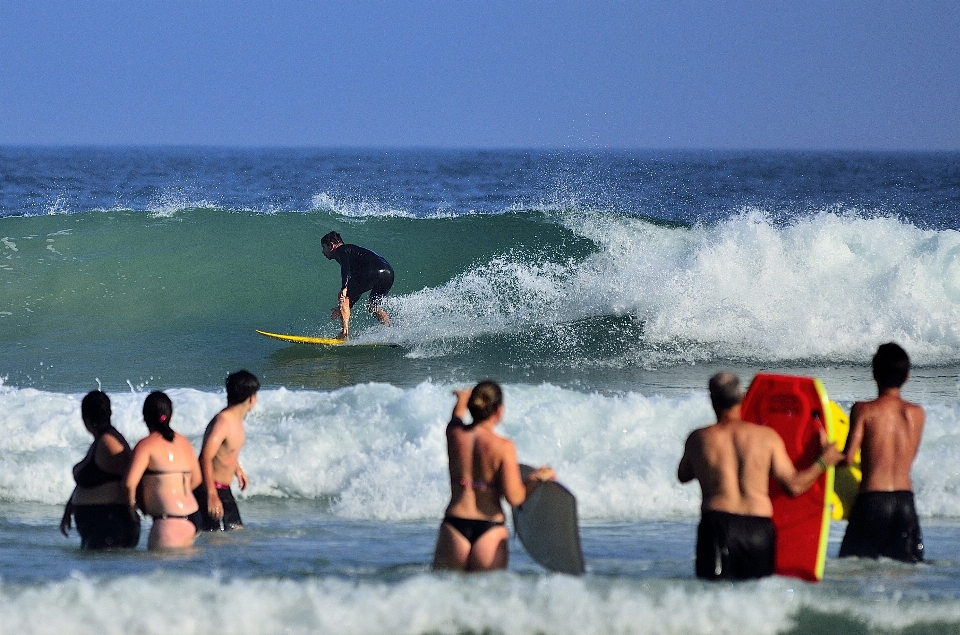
501	603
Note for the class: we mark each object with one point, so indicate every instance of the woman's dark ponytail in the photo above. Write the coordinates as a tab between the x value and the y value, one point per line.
157	412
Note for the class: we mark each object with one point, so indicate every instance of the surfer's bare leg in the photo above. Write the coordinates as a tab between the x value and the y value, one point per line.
452	550
380	314
490	551
344	305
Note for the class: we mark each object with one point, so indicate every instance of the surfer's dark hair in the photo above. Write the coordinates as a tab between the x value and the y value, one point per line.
332	238
891	365
241	385
725	392
485	398
95	409
157	412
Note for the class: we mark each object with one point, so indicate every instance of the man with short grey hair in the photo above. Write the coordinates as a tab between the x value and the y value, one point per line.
734	461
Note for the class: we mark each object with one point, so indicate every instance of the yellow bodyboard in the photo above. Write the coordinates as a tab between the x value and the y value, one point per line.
846	480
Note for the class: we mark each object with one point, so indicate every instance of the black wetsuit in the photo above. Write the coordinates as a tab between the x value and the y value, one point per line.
883	524
734	546
92	475
363	270
102	526
231	513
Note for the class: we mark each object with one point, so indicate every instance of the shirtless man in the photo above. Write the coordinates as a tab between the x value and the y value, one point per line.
220	455
361	270
734	462
887	430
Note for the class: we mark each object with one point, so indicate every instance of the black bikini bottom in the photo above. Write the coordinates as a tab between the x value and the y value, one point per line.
194	518
470	528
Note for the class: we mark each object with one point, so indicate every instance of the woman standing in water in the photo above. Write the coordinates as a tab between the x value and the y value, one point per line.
97	503
166	469
483	469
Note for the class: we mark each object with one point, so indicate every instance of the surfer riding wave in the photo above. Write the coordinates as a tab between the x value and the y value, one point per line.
361	270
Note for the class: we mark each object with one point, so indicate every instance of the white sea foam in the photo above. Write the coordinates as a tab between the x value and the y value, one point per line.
358	208
378	452
175	200
58	207
498	603
825	287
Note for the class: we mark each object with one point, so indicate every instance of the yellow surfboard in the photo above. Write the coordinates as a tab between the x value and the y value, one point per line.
321	341
304	339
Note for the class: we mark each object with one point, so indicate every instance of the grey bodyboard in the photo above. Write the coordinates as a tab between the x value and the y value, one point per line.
547	526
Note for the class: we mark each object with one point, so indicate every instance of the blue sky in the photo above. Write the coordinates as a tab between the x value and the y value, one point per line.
601	74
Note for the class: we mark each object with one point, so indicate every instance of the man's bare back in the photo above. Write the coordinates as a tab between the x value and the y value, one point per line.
734	461
887	432
883	520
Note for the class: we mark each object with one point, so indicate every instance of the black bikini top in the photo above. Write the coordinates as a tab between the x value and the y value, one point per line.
92	475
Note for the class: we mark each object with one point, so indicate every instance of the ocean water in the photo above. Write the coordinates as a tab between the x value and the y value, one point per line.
602	289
